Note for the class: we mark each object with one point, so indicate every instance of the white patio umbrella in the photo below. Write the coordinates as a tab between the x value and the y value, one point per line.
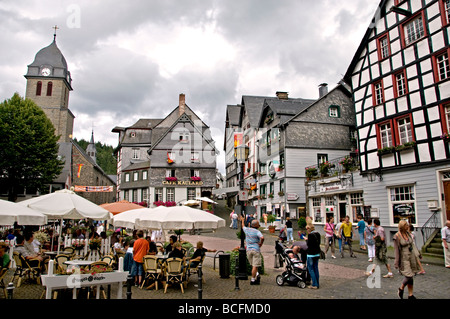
13	212
127	219
179	217
206	199
66	204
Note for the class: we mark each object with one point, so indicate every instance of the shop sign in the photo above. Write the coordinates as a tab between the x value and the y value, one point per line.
330	187
183	183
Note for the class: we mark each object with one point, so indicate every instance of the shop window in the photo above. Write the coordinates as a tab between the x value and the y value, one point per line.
402	203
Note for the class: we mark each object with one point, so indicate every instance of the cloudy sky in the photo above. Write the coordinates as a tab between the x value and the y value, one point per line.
132	59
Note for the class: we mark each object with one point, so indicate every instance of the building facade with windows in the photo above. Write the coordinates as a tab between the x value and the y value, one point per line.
166	161
400	79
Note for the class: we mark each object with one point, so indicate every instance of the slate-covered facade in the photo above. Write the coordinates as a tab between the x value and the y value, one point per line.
168	160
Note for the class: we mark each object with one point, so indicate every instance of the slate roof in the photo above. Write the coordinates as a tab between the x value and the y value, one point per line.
286	109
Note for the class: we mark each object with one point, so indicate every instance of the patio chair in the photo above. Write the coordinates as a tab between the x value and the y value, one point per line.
60	262
3	272
69	251
174	272
152	269
29	267
194	270
109	259
92	267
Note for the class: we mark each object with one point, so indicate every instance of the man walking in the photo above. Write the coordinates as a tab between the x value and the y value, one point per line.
445	232
347	233
254	239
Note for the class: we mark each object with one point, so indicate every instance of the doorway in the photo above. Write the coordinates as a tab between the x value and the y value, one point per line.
447	199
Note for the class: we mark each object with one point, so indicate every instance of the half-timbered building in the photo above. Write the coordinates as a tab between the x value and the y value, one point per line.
400	79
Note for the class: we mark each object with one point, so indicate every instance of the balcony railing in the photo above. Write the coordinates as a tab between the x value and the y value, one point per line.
334	167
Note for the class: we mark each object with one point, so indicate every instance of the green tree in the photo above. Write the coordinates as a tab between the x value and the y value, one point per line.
28	147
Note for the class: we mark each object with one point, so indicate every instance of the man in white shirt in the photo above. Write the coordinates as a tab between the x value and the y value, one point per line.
445	233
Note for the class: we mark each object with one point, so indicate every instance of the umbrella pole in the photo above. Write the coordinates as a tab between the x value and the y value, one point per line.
60	234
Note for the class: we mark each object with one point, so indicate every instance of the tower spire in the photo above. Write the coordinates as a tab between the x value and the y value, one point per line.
54	34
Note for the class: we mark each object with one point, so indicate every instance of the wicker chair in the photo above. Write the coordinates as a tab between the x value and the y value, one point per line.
29	267
174	272
153	270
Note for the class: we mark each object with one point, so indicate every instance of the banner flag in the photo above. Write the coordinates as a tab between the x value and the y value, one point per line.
91	189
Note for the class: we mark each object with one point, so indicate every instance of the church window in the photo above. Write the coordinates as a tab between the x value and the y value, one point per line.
49	88
38	88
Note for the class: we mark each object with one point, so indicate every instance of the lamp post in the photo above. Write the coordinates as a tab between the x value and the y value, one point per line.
242	152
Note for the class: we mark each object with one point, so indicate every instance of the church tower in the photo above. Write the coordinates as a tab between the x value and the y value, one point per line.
48	85
91	150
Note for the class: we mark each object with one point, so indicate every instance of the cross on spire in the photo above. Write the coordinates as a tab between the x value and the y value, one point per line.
54	34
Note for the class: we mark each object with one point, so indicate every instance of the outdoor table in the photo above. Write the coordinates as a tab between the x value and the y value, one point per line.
51	254
74	281
78	262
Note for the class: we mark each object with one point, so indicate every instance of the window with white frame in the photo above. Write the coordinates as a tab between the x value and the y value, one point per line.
191	193
386	135
400	84
144	175
135	195
447	10
135	153
195	157
378	93
447	115
195	173
135	176
333	111
329	201
184	137
126	195
158	194
127	177
145	194
170	194
402	202
356	199
384	47
404	130
414	30
170	173
443	66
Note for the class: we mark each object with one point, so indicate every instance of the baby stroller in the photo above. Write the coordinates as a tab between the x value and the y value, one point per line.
295	274
283	236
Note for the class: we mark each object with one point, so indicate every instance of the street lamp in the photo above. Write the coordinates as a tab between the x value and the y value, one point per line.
242	152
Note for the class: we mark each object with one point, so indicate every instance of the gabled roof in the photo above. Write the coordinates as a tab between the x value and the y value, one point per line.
234	115
183	118
286	109
341	86
381	12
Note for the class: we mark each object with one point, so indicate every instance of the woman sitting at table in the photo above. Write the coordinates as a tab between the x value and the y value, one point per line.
198	254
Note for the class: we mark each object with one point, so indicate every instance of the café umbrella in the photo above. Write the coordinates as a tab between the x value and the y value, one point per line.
11	213
120	206
178	217
66	204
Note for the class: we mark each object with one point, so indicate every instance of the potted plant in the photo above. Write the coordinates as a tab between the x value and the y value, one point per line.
271	195
405	146
271	219
325	168
445	137
310	172
280	193
386	150
347	162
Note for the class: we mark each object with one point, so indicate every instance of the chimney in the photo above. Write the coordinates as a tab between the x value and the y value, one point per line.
282	95
323	90
182	104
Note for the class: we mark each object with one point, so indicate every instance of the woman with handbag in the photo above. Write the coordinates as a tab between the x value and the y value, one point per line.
406	258
329	235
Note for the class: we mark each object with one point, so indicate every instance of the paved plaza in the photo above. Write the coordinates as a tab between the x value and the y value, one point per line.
340	278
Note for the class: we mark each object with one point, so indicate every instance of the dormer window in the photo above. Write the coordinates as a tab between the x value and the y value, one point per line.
333	111
184	137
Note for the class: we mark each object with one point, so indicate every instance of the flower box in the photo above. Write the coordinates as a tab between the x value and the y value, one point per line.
171	179
386	150
196	178
405	146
